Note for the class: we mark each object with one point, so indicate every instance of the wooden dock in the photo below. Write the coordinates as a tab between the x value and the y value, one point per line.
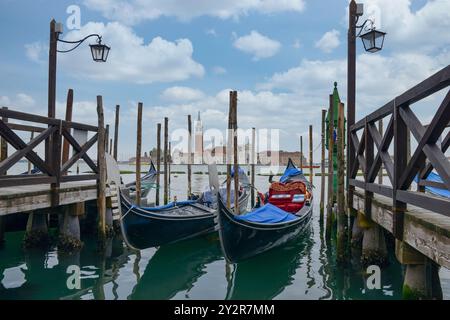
425	231
33	197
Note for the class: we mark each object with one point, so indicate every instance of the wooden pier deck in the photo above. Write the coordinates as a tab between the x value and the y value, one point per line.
425	231
39	196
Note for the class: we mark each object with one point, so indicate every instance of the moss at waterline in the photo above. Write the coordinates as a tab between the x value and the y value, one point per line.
373	257
36	239
68	243
409	293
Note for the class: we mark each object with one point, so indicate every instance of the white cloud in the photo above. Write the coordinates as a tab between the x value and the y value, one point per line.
424	30
218	70
130	58
257	45
182	94
211	32
135	11
379	78
329	41
297	44
21	102
36	51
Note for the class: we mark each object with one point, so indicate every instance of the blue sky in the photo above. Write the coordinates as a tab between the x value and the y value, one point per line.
271	52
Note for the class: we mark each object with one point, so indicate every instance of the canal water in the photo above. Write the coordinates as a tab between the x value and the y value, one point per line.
193	269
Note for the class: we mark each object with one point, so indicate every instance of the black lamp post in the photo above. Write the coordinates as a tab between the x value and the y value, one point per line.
373	41
99	54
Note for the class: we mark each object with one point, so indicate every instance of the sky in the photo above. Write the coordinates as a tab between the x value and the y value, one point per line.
179	57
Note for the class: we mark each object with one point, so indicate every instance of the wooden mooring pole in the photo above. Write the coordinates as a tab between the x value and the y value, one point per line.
330	200
341	216
69	111
236	159
138	154
116	132
301	152
166	169
169	164
311	170
158	162
189	159
253	166
101	183
322	168
229	147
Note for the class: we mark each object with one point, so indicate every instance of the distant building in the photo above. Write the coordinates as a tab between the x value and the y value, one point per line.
198	134
281	157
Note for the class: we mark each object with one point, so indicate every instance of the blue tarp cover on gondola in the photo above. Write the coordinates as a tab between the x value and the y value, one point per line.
168	206
267	214
290	172
435	178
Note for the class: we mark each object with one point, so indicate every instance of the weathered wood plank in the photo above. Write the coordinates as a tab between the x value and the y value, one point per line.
427	232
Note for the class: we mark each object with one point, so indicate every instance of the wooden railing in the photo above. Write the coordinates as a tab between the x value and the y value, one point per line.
401	170
52	170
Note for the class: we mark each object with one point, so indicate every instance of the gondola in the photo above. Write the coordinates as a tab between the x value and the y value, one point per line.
145	227
284	215
147	182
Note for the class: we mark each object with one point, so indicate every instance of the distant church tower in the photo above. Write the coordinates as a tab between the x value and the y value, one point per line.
198	158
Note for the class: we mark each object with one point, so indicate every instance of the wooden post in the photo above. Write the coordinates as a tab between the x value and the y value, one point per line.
311	170
101	183
29	162
301	152
66	145
107	139
380	173
189	166
322	168
229	147
169	164
166	169
3	143
351	94
116	132
158	161
253	166
341	217
3	156
235	147
330	202
138	154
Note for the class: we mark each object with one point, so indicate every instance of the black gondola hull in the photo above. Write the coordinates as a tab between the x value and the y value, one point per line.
143	230
241	240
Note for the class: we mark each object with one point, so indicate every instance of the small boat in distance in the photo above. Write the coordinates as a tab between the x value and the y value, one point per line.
147	182
285	214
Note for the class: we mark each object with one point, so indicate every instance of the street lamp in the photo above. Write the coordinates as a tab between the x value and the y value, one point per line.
373	41
99	54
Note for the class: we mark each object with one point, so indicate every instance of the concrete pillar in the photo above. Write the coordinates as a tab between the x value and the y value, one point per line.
374	251
69	227
421	275
36	234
